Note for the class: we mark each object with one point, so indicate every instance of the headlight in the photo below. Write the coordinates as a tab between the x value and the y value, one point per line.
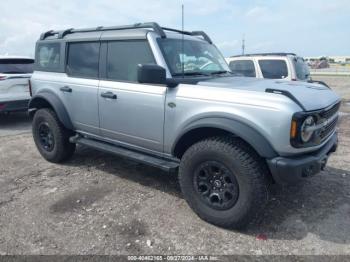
309	129
305	131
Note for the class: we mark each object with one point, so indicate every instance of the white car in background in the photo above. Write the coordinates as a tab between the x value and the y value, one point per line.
15	73
286	66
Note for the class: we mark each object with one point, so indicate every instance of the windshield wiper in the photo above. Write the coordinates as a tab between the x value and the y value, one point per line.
220	72
191	74
13	72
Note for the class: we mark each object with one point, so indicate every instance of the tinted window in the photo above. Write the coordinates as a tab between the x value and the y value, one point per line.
274	69
301	69
16	66
83	59
243	67
124	56
48	56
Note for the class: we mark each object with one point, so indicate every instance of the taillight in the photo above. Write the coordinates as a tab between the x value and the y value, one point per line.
3	77
30	87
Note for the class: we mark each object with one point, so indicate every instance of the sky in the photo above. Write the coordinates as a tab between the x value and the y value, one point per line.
306	27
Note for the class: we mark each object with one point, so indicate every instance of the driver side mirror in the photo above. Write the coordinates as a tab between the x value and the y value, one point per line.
151	74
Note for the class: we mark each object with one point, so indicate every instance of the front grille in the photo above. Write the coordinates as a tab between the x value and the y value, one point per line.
330	127
330	112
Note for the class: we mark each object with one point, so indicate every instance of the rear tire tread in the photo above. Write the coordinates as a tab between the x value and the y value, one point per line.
63	148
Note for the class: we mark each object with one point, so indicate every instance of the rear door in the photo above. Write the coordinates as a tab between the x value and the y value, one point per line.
79	87
130	113
14	75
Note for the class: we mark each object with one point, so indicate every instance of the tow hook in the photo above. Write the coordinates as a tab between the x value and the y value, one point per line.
324	163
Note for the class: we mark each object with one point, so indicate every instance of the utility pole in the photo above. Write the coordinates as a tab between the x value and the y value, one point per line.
243	44
182	42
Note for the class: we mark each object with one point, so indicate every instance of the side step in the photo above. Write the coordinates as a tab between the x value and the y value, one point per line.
164	164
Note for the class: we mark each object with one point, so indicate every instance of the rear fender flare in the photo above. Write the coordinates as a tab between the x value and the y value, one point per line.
54	101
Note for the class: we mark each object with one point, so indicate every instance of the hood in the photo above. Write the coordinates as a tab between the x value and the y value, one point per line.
311	96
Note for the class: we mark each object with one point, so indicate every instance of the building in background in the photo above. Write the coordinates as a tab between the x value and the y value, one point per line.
330	59
329	65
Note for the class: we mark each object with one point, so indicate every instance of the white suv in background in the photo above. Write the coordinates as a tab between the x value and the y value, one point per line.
14	85
287	66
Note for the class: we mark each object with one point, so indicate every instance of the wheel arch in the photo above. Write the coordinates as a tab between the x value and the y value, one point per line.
207	127
50	100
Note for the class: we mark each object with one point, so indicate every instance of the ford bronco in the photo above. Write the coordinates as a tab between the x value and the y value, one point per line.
167	98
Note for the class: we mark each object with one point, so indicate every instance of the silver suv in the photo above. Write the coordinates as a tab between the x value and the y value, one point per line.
167	98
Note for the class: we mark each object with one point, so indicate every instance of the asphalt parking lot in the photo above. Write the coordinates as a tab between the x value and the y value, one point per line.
100	204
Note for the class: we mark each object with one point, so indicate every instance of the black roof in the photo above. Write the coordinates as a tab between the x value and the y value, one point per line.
152	25
265	54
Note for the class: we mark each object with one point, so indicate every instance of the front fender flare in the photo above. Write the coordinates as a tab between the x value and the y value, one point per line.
54	101
261	145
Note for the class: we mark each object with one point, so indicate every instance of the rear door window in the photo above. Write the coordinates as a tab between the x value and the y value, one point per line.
16	66
243	67
48	56
273	68
83	59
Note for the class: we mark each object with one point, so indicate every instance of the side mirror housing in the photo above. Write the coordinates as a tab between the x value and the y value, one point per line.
151	74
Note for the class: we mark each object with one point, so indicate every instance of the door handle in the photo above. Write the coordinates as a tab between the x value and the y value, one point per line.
109	95
66	89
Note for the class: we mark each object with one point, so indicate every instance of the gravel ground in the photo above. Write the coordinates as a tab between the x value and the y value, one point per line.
101	204
14	124
340	84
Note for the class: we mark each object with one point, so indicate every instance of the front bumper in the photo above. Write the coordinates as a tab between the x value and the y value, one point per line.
11	106
290	170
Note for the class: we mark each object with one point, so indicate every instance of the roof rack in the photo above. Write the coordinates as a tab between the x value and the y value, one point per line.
265	54
158	29
61	34
193	33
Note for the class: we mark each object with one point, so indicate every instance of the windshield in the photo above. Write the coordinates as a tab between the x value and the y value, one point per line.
195	57
301	69
16	66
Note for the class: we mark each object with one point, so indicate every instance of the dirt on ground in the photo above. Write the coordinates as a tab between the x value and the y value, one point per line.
341	84
101	204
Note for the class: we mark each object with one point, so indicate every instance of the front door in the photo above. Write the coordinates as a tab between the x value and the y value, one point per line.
131	113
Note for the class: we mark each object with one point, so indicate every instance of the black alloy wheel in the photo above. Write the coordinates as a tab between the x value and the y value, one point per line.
216	186
47	140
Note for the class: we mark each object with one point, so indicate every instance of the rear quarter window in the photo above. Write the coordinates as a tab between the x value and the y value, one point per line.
243	67
48	56
16	66
273	68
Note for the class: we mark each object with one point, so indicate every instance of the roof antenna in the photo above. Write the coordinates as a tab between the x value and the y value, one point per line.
182	44
243	44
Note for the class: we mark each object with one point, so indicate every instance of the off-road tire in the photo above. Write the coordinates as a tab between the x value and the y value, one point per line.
248	168
62	149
